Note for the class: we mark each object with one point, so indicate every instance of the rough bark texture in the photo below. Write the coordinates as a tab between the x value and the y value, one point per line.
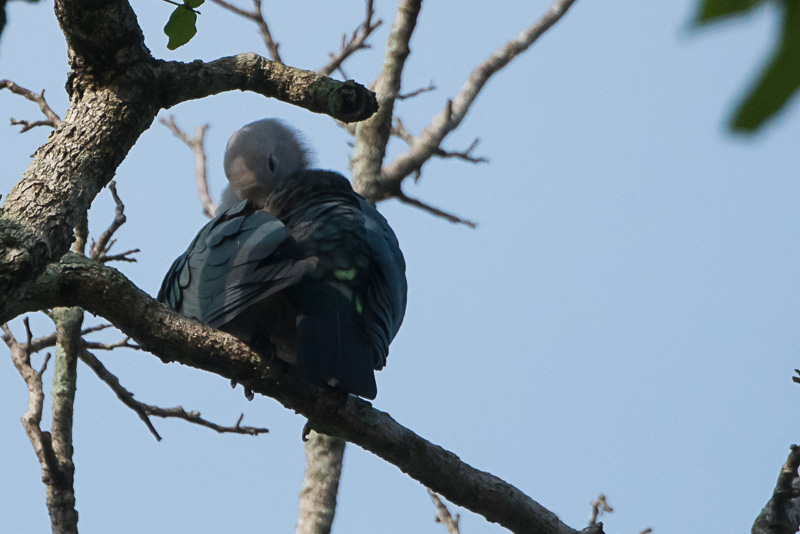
324	456
102	290
781	515
60	490
116	89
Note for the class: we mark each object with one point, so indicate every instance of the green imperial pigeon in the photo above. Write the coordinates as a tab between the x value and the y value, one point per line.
295	264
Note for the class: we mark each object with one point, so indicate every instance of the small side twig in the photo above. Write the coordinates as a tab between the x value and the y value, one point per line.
356	42
145	411
257	16
100	248
53	120
197	145
599	507
418	92
444	516
428	142
402	197
125	342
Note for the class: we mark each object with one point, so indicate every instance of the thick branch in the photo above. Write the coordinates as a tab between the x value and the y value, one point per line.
320	484
344	101
79	281
373	135
781	515
60	489
427	144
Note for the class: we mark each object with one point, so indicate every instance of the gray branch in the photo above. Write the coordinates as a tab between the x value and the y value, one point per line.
320	484
428	143
356	42
197	146
373	134
53	120
344	101
257	16
144	411
77	280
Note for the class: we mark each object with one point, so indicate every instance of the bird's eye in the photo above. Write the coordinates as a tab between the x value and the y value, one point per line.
271	163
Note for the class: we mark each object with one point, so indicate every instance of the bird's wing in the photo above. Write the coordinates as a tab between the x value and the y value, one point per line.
386	297
230	266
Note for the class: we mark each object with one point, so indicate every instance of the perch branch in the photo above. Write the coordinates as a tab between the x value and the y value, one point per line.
76	280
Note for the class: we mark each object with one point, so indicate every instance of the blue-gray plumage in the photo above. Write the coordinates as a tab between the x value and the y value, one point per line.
296	264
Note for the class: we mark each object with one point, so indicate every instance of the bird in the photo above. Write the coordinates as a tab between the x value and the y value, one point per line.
295	264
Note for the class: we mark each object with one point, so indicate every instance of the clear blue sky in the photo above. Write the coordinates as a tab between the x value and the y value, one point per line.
624	320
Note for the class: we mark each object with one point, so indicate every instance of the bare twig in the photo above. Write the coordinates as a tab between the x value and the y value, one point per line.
125	342
104	243
466	155
197	145
599	507
646	531
356	42
418	92
443	514
257	16
427	144
123	256
145	411
32	418
53	120
402	197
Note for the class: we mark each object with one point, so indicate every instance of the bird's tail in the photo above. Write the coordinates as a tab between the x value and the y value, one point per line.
332	347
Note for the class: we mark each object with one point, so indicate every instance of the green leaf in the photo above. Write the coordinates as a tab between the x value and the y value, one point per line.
181	27
714	10
779	81
193	4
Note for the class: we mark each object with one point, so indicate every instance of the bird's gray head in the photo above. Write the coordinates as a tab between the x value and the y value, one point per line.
259	159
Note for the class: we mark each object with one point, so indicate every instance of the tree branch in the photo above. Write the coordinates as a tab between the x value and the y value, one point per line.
344	101
357	41
781	515
61	491
443	515
53	120
402	197
372	135
197	145
173	338
257	16
427	144
320	483
144	411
